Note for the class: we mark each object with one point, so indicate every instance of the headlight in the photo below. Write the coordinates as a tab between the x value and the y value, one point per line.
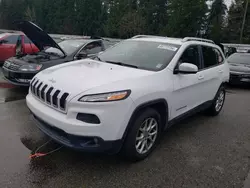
7	63
30	67
106	97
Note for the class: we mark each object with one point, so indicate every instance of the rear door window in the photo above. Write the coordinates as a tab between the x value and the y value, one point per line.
210	57
220	58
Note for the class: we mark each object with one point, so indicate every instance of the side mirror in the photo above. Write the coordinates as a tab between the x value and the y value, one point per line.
82	55
187	68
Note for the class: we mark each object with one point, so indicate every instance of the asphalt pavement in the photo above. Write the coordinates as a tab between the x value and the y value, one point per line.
201	151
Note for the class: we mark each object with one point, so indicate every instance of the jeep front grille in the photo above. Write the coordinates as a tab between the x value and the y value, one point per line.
49	95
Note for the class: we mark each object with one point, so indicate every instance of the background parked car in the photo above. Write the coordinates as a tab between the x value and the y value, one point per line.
239	67
15	43
21	69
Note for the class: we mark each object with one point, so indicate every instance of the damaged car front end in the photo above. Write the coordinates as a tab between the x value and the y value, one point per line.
19	70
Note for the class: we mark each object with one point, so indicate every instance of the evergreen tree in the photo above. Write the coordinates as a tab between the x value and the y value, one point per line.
216	20
234	22
185	17
125	18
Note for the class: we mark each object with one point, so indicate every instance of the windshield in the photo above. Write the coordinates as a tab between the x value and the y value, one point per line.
68	46
242	58
142	54
2	35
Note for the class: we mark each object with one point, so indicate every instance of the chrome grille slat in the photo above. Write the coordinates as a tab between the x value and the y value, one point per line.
31	84
38	89
63	100
34	86
58	99
54	98
32	81
43	91
49	95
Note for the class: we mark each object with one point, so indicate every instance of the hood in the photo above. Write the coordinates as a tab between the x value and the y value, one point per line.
40	38
241	68
80	76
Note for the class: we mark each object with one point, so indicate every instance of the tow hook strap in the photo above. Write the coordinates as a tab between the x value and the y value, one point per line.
38	154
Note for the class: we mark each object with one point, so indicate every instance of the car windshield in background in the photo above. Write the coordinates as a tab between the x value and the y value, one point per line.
68	46
242	58
2	35
57	40
142	54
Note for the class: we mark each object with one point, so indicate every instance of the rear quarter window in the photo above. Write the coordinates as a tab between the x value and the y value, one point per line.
27	40
220	58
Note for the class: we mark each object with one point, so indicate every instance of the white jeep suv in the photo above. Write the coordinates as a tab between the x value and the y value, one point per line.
123	99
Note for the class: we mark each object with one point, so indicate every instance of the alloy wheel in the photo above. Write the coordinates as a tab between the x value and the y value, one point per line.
220	101
146	135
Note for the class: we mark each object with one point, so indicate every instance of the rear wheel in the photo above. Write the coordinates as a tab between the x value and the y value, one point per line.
143	136
218	102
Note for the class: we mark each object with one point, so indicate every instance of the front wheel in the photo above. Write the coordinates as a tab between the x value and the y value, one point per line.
218	102
143	136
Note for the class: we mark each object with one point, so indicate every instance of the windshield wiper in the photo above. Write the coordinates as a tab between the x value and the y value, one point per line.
98	58
122	64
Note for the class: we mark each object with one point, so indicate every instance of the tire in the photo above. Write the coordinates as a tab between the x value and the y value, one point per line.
129	150
218	102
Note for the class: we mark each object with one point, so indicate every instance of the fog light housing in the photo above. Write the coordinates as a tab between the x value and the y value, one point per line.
88	118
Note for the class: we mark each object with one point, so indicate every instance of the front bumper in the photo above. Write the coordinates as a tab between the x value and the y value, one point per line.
88	144
73	133
16	78
239	77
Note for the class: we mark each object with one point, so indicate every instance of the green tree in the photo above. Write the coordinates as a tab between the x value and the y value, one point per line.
155	15
11	10
120	18
216	20
234	22
131	24
185	17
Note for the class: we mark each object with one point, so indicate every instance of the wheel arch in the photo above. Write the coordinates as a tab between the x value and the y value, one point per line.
223	84
161	105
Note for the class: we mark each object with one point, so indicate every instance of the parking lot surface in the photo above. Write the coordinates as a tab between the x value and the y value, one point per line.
199	152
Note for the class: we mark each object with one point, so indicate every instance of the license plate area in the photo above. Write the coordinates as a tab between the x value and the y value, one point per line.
245	80
245	76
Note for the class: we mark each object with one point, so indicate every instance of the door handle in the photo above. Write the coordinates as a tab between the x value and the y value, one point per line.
200	77
220	71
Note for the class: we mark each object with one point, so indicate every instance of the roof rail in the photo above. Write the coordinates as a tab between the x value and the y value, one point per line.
147	36
197	39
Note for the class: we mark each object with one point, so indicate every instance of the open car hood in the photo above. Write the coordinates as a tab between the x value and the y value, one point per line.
40	38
